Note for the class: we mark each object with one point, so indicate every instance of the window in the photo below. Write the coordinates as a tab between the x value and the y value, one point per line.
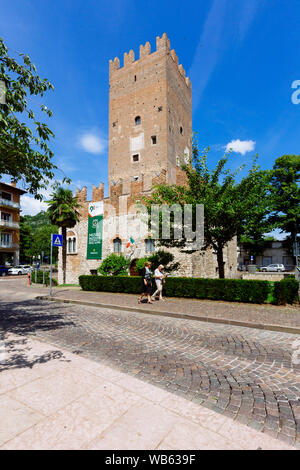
71	245
135	78
6	196
117	245
6	240
181	130
288	260
135	158
266	260
138	120
159	108
5	216
149	245
153	140
114	124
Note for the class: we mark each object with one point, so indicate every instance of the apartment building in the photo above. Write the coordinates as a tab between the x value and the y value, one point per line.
10	223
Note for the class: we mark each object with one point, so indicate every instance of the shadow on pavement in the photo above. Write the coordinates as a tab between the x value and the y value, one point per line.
27	318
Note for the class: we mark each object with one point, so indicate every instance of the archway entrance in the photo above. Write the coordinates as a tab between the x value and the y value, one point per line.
132	268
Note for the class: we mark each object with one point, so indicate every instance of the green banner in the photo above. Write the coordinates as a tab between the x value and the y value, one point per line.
95	229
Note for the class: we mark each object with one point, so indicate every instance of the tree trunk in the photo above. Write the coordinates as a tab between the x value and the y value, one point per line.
220	262
64	253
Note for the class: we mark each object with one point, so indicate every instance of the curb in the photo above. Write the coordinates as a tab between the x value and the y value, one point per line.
186	316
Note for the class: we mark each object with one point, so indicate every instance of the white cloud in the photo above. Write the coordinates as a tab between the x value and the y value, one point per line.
241	146
31	206
92	142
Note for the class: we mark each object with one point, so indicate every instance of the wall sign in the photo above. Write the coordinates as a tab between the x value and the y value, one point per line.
95	229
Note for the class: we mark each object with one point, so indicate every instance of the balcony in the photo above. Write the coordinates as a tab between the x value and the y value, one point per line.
9	246
7	203
8	224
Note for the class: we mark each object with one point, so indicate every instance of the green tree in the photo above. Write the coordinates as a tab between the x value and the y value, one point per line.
24	151
285	196
230	206
41	242
159	257
114	265
26	237
63	212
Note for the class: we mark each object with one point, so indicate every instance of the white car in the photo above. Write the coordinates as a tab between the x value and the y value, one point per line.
278	268
21	269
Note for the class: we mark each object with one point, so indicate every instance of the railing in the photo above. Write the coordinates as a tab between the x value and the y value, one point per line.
6	202
6	223
9	245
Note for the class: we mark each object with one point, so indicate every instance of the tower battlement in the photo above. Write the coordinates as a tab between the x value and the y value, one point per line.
162	47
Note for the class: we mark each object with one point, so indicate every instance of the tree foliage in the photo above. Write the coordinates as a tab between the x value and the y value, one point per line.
63	212
35	236
24	138
285	195
114	265
232	208
160	257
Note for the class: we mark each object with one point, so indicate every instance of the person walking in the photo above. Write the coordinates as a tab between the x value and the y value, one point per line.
146	283
159	279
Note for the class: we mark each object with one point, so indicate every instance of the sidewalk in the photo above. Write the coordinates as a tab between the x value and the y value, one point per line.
270	317
52	399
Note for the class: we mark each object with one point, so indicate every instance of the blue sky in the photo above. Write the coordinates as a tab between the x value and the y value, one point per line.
241	55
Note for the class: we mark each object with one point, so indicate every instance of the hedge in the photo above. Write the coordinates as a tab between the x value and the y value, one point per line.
39	278
233	290
286	291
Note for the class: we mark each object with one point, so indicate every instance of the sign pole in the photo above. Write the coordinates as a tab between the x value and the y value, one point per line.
51	266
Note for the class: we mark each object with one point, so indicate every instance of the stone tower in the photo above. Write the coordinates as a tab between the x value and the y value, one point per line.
150	117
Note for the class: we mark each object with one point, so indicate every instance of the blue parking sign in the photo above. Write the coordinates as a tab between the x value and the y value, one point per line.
57	240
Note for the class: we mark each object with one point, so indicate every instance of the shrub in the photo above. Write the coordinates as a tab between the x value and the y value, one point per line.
234	290
286	291
39	278
126	284
140	263
114	265
159	257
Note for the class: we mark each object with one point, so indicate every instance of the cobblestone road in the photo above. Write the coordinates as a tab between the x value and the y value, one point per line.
246	374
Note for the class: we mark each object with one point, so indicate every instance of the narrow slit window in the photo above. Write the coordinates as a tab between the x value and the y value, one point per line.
153	140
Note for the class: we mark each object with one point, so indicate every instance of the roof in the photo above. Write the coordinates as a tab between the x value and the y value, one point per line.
10	187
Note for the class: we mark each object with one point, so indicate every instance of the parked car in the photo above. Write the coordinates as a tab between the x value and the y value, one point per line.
21	269
3	271
279	268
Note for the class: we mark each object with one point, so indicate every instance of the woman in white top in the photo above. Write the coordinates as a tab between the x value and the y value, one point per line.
159	277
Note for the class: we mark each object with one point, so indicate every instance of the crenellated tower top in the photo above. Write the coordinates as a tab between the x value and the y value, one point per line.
162	47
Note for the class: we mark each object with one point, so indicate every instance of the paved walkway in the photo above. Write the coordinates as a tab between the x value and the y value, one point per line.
52	399
255	315
226	371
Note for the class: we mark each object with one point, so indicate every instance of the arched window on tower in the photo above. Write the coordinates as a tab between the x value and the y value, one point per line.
71	243
138	120
117	245
149	245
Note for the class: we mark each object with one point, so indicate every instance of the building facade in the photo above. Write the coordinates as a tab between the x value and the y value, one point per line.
273	252
150	136
10	223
